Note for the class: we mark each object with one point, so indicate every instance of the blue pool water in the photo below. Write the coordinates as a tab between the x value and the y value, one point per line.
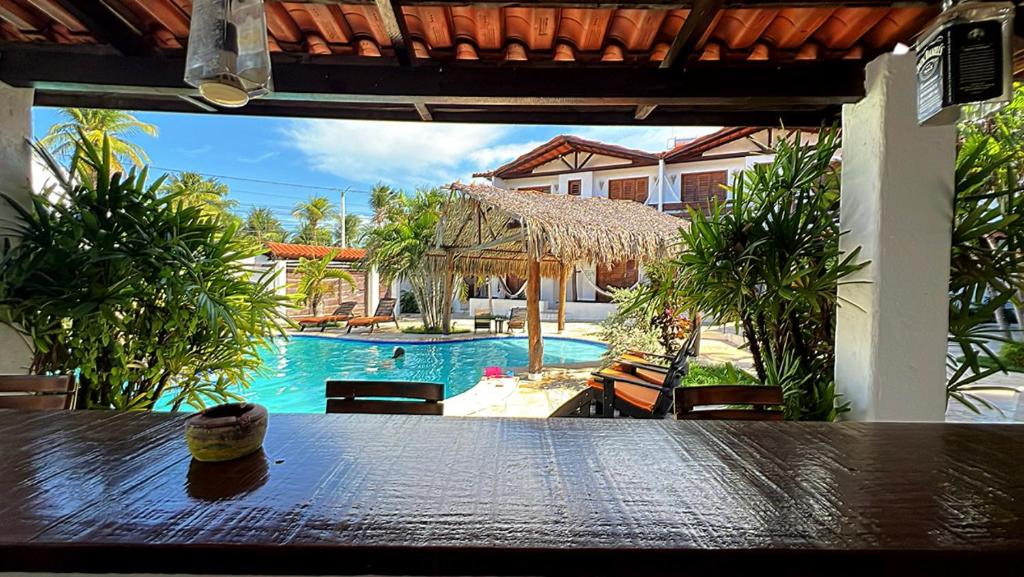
295	370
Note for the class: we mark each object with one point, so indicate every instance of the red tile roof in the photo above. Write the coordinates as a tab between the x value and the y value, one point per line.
494	32
699	146
283	250
564	144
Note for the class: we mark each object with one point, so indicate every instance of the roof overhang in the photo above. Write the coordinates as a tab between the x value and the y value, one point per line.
697	62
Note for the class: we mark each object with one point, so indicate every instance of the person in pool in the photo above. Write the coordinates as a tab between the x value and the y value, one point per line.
395	362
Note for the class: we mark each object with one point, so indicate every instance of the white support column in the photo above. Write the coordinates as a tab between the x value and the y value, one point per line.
396	293
661	185
896	205
16	181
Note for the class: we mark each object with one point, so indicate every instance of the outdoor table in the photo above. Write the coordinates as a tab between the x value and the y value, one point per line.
499	323
105	492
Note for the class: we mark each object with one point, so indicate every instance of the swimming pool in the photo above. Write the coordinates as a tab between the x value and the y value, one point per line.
295	370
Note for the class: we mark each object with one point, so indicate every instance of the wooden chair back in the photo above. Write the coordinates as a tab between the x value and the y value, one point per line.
385	397
344	309
37	392
765	402
385	308
517	318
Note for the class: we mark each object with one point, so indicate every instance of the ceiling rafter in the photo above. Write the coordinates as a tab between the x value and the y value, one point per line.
394	25
695	28
106	23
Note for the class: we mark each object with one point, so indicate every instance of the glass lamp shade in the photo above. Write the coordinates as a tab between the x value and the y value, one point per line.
228	57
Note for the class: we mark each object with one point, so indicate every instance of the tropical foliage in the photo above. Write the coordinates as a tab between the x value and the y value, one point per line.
208	194
987	260
315	276
770	261
146	298
261	225
118	127
398	246
353	230
311	214
385	202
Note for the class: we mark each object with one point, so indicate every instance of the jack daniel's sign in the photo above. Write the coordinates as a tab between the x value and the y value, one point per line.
964	58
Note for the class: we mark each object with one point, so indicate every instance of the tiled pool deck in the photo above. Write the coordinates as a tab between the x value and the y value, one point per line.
516	397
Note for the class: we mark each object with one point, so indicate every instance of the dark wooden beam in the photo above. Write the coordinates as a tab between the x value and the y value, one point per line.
108	25
764	87
394	25
622	116
694	28
423	111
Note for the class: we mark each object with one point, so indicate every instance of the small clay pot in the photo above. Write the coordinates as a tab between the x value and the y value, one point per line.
226	432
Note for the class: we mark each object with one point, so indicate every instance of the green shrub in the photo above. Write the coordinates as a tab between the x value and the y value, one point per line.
141	296
724	374
409	304
1013	354
628	328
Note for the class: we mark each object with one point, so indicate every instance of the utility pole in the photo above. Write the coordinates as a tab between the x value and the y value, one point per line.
344	233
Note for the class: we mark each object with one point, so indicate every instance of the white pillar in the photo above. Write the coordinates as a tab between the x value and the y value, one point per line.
661	185
16	181
896	205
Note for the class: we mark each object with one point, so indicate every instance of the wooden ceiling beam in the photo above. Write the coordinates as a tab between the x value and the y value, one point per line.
694	29
423	111
108	25
394	25
765	86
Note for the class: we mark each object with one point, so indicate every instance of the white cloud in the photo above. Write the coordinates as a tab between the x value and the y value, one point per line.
495	156
402	153
260	158
407	154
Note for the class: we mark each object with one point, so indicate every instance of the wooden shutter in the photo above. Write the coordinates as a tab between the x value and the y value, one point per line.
614	189
575	187
699	188
642	189
634	189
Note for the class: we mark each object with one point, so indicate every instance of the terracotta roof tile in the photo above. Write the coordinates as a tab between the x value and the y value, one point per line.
285	250
565	143
540	32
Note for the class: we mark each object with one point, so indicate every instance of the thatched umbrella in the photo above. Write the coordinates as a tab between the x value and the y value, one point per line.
486	230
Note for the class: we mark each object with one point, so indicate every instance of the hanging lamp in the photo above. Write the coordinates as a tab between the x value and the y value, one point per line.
228	55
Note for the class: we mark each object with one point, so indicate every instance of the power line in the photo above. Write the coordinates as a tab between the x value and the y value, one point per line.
262	181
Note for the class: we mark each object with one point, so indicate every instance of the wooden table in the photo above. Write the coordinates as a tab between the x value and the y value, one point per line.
349	494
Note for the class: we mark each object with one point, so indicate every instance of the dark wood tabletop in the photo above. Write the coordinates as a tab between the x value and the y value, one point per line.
405	495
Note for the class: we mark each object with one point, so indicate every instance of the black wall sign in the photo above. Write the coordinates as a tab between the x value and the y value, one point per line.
960	63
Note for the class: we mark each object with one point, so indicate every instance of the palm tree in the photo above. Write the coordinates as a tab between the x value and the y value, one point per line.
262	225
353	229
311	213
314	277
118	126
192	189
398	248
385	202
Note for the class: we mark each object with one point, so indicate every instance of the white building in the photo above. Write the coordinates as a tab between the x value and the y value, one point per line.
685	176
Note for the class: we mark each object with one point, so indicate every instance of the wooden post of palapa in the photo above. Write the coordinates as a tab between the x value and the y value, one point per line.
563	285
449	282
533	311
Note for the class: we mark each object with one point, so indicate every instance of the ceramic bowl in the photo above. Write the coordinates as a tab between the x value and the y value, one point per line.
226	432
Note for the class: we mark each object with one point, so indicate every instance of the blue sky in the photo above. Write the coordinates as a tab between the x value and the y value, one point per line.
350	154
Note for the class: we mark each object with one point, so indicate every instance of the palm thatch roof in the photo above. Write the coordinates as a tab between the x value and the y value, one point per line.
488	230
